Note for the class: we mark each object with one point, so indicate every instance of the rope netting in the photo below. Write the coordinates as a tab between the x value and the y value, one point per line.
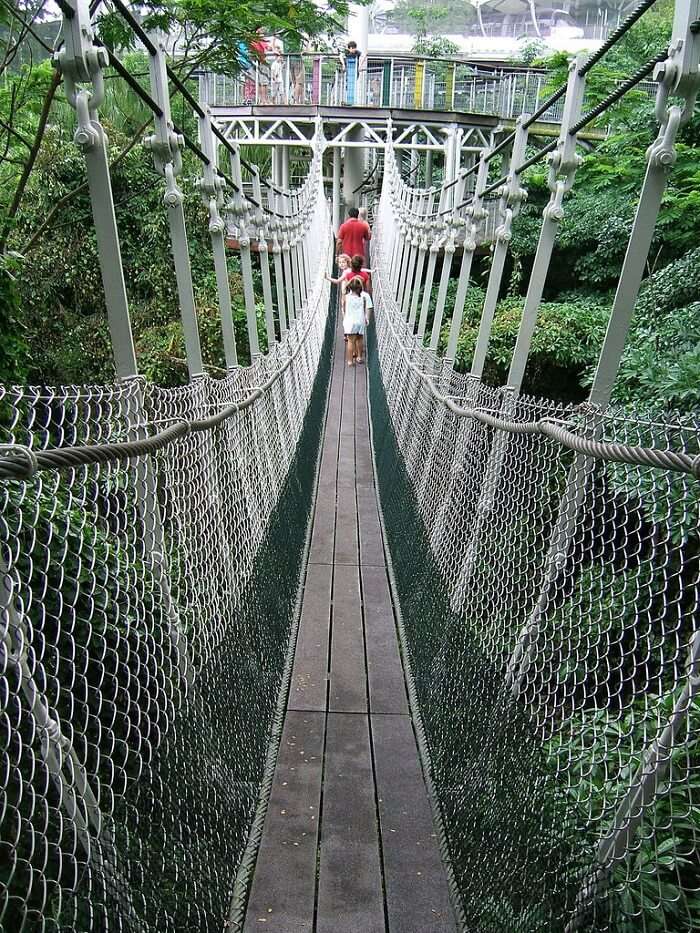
147	609
549	604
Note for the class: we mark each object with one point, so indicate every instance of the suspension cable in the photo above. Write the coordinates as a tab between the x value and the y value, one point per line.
615	36
544	107
619	92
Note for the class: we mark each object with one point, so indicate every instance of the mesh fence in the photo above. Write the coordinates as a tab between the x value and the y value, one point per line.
550	607
146	613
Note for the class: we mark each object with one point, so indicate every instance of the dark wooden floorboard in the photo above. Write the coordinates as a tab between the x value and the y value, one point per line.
350	883
328	863
370	533
310	673
417	896
283	892
348	677
387	693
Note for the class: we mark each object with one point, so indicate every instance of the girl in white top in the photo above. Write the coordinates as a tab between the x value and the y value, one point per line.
358	304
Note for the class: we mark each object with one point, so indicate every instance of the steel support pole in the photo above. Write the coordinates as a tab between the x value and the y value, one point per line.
564	162
336	187
407	270
512	196
287	268
476	214
211	189
660	159
264	262
353	166
242	220
92	141
284	158
277	262
293	251
165	146
428	286
448	256
406	281
429	168
417	279
414	180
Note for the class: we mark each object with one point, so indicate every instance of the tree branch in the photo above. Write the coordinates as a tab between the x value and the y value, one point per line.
31	160
13	132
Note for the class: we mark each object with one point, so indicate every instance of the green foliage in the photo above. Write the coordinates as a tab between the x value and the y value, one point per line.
434	47
212	30
13	346
564	346
661	881
529	51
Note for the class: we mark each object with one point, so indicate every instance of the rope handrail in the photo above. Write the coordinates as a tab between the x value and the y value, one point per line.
612	451
22	463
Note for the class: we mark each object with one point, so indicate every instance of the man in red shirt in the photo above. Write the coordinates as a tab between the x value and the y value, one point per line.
353	235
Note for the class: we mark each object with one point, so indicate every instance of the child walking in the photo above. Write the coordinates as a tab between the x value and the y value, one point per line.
357	270
355	319
343	261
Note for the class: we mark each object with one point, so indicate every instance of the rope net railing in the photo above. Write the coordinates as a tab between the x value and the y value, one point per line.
545	563
152	542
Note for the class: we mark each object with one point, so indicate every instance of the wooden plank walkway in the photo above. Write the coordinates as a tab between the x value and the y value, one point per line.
348	843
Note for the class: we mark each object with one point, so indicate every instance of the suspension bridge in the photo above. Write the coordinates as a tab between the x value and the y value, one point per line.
311	647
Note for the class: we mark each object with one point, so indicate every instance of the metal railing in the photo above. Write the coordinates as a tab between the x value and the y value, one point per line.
544	554
401	82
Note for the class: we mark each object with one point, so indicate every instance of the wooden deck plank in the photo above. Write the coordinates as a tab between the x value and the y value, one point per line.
309	686
364	470
321	868
387	693
369	528
350	898
284	887
348	678
417	895
323	533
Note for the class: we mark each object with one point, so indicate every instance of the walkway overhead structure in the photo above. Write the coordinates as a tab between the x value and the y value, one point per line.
153	545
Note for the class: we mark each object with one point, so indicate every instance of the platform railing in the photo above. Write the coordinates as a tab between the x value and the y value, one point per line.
401	82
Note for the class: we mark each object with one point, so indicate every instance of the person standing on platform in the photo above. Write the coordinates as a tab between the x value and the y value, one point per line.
351	62
277	78
261	47
354	235
248	72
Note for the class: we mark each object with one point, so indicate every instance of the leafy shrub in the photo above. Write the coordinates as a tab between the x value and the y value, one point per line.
657	888
565	343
